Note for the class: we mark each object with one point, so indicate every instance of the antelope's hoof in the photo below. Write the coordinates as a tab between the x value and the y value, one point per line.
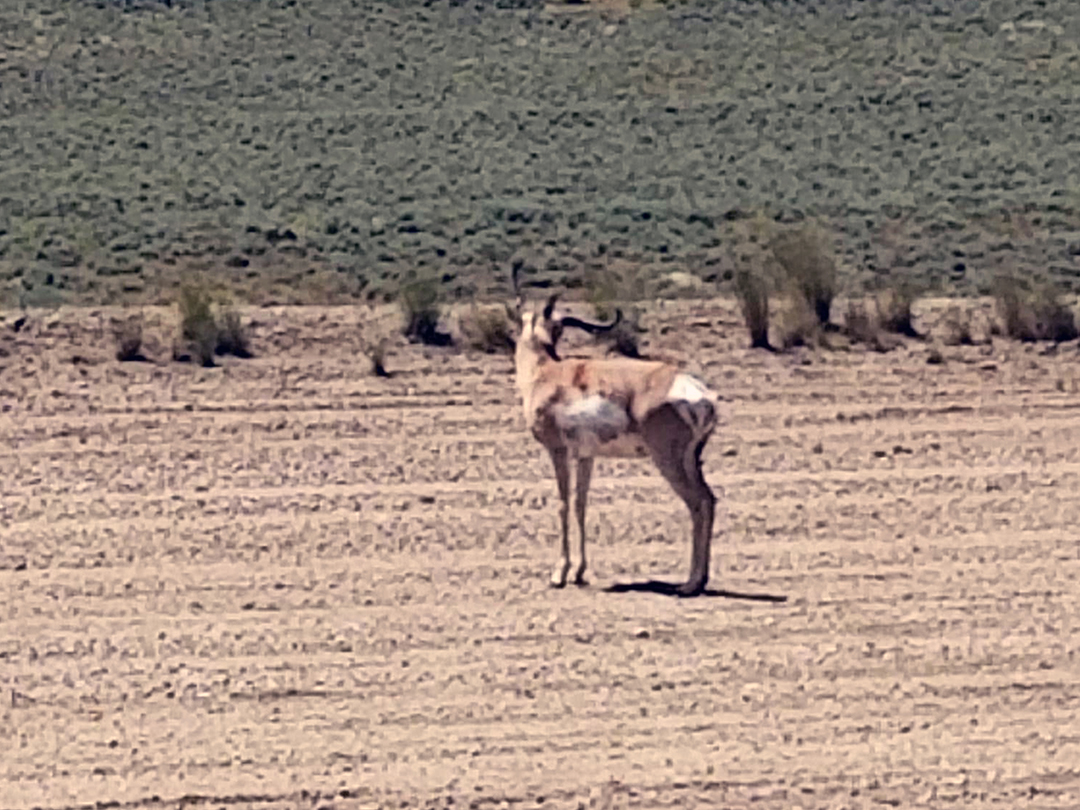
691	588
579	579
558	578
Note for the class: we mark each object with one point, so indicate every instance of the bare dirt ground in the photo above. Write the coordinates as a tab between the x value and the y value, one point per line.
284	582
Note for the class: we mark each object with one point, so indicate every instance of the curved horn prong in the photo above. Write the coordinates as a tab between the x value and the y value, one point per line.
549	308
515	281
593	328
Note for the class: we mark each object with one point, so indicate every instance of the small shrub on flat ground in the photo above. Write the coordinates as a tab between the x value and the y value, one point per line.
1032	312
606	287
232	336
601	292
799	325
861	326
489	329
958	328
1009	298
753	294
624	338
198	328
420	305
129	340
204	333
807	262
894	309
376	353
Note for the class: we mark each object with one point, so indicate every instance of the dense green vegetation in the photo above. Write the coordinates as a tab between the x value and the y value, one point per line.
332	150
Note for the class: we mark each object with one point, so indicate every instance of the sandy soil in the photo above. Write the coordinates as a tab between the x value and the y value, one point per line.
284	582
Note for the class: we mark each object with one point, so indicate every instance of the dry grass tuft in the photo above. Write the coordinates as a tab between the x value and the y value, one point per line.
378	330
202	333
1033	312
198	329
894	307
422	309
602	291
605	290
624	339
805	257
233	337
129	340
753	294
376	353
861	326
488	328
608	287
958	328
799	325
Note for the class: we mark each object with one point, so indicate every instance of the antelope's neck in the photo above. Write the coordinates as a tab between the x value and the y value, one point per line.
528	361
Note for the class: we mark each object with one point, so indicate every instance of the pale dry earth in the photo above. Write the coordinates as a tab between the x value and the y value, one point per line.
287	583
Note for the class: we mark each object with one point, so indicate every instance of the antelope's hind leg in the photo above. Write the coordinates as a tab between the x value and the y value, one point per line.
677	454
560	459
702	507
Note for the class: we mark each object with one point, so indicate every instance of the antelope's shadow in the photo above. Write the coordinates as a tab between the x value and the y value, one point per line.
672	589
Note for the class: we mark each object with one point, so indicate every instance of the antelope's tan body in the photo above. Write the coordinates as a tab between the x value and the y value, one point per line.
583	408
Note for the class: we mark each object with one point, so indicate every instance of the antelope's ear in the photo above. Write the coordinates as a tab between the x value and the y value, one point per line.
515	311
519	302
549	308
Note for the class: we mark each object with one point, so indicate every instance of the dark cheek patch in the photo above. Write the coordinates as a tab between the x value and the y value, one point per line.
579	377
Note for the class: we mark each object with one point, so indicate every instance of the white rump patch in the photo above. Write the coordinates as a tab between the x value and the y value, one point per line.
687	388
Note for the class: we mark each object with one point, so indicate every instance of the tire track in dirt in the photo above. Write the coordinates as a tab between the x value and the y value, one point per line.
209	596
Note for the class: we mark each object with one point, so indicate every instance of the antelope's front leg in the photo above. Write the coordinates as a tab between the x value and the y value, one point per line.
584	476
562	475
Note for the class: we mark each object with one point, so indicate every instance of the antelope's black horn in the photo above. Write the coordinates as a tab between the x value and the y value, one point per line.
549	308
515	278
593	328
515	282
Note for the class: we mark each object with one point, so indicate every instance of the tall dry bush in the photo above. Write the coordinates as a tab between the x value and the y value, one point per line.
602	290
958	331
488	328
1032	312
806	259
198	328
376	352
129	340
752	292
203	333
894	307
605	290
421	305
799	325
624	339
862	326
232	337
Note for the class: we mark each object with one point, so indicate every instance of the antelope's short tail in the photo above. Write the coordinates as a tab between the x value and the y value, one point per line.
701	416
695	404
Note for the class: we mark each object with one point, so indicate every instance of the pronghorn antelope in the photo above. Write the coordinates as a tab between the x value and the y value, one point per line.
579	409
